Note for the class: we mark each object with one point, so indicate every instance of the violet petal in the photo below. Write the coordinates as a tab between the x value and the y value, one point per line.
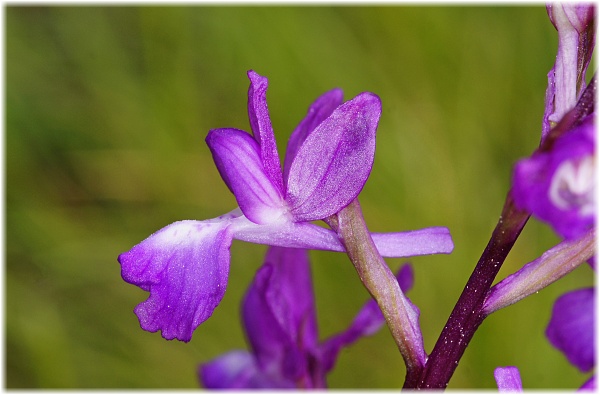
319	110
260	122
436	240
236	155
185	267
279	313
558	186
237	370
334	162
571	327
508	379
589	385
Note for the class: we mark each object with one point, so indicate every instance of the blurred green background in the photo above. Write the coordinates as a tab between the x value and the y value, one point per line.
107	109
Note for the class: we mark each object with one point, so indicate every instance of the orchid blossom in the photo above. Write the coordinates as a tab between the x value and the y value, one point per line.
185	265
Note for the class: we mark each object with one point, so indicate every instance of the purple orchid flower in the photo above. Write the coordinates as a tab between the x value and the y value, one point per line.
185	265
576	39
279	317
558	185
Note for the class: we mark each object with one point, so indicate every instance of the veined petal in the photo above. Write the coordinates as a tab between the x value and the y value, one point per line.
279	313
236	155
571	327
317	113
185	267
334	162
508	379
367	322
260	122
435	240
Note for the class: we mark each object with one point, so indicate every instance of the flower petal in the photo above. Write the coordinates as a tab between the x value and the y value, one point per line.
334	162
237	369
434	240
260	122
279	313
508	379
317	113
571	327
538	274
185	267
236	155
557	186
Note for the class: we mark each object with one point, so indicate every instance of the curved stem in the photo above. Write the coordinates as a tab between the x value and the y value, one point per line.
400	315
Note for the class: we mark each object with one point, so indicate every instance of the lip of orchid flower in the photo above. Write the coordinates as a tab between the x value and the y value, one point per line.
279	317
576	36
185	265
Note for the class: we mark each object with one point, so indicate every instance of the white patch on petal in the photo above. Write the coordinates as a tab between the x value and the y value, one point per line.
573	185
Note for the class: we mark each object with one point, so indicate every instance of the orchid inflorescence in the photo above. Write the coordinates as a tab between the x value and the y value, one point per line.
329	156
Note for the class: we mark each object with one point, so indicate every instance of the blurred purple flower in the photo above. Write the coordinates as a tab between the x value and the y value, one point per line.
185	265
571	327
557	186
576	39
571	330
279	318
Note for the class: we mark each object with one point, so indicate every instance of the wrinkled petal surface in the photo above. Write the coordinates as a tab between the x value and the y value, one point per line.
184	266
508	379
260	122
571	328
322	108
236	155
334	162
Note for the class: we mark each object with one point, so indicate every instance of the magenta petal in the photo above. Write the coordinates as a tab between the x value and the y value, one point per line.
317	113
236	155
237	369
508	379
435	240
571	328
279	313
260	122
589	385
334	162
184	266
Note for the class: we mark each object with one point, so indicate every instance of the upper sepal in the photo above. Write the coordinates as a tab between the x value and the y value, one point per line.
333	164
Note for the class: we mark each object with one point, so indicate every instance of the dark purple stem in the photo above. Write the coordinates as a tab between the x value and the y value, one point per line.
467	314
